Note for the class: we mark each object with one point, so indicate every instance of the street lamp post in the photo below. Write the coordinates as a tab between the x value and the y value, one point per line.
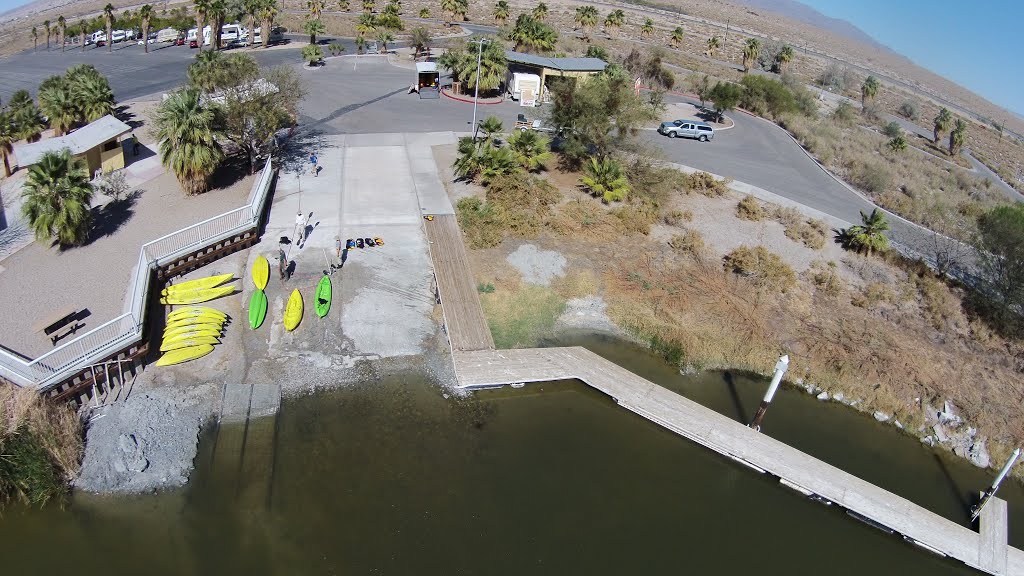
476	88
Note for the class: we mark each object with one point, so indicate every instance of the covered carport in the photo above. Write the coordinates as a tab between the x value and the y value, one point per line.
546	67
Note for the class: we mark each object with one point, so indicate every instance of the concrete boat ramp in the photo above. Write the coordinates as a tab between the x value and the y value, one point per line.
987	551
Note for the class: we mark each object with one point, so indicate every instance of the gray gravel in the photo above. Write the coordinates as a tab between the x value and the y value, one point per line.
587	313
537	266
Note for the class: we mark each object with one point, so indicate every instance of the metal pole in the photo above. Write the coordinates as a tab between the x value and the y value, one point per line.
780	369
988	494
476	89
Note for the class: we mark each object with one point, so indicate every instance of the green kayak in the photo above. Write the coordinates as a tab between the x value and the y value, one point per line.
257	309
323	296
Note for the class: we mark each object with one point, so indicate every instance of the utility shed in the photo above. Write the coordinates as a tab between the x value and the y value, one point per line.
96	143
547	67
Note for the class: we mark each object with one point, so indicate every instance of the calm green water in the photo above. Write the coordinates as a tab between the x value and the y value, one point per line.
392	478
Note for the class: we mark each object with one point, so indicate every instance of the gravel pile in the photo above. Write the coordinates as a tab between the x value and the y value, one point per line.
588	313
537	266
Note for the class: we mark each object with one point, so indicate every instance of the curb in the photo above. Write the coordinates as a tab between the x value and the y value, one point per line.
447	94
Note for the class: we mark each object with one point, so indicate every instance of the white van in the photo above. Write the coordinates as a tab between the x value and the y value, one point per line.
117	36
276	35
99	36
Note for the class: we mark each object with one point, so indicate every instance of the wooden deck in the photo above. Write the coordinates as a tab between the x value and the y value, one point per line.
986	551
466	325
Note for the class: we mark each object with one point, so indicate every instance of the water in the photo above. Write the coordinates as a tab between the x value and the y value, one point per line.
389	477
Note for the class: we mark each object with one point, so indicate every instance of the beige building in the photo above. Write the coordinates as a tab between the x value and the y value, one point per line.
97	143
546	67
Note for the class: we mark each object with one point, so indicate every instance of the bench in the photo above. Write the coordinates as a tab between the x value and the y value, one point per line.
59	324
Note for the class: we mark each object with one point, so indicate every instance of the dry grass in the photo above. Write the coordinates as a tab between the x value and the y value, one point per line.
750	209
690	242
767	269
706	184
576	284
521	316
677	217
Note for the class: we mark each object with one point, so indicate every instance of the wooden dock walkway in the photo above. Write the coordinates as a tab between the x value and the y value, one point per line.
986	551
464	318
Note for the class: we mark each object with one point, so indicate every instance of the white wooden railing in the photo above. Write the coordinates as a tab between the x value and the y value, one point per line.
76	355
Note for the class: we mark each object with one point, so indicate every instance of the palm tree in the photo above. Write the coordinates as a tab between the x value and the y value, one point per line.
344	5
369	6
867	237
420	40
467	163
785	56
493	67
501	11
586	18
647	29
203	72
268	11
461	9
497	161
46	25
312	53
531	36
531	148
35	39
941	123
540	12
90	91
145	15
389	17
187	131
62	29
57	103
8	136
252	10
57	197
751	50
898	143
868	91
957	137
714	43
81	34
218	13
384	36
108	21
614	21
491	127
676	38
201	11
605	178
360	44
366	25
314	27
448	10
424	13
25	115
316	7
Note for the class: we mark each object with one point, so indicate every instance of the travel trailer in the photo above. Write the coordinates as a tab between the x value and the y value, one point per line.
276	35
232	34
193	36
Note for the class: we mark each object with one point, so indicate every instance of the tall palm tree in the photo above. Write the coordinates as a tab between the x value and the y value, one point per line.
420	40
313	28
218	13
203	73
57	103
201	12
868	91
784	57
531	148
8	136
461	9
586	18
366	26
57	197
751	50
25	115
46	25
252	10
943	120
614	21
957	136
539	12
868	236
676	38
532	36
62	29
448	10
384	36
35	39
714	43
647	29
108	21
605	178
369	6
81	33
316	8
268	12
90	92
501	11
145	15
493	67
187	131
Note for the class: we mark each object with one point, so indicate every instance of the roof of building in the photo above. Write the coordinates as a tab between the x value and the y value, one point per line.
89	136
426	67
561	64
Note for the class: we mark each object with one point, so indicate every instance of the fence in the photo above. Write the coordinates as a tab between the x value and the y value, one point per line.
76	355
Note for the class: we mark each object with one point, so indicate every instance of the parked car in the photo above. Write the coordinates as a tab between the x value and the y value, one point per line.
687	129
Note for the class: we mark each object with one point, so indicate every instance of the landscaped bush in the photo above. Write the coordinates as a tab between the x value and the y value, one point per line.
749	209
766	97
516	205
706	184
765	268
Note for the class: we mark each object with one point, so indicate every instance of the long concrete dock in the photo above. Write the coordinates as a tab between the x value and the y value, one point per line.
986	551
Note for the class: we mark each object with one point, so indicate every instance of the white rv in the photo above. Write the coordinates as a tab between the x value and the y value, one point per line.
99	36
193	36
167	35
276	35
117	36
518	82
231	34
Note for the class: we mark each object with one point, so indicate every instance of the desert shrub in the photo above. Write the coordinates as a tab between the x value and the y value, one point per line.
636	217
766	96
787	216
908	110
940	304
677	217
825	277
812	233
483	288
805	100
480	222
892	129
524	200
706	184
655	183
836	77
844	114
872	295
689	242
749	209
765	268
872	176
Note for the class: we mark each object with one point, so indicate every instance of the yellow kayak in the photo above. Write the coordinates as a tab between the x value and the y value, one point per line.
260	272
193	311
195	296
184	354
293	311
193	320
197	284
189	334
170	333
179	344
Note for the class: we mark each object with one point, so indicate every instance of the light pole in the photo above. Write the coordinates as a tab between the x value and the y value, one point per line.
988	494
780	369
476	88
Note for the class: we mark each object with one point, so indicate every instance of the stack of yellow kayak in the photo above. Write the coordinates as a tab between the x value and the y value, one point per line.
191	333
196	291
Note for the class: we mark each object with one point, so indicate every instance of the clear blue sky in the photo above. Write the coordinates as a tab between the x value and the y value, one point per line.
975	44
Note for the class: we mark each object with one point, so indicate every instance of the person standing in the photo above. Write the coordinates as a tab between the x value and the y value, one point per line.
135	144
282	262
337	246
313	162
300	223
